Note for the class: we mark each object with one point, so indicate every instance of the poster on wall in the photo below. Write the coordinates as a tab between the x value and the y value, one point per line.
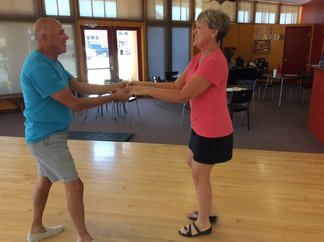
261	46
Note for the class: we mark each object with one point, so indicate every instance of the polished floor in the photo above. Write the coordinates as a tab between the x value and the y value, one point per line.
141	192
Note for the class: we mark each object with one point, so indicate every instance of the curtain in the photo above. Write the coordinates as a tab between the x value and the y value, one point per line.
17	7
181	10
289	14
122	9
155	9
266	13
245	10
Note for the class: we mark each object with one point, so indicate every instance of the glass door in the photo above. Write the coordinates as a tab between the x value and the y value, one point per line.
127	55
97	64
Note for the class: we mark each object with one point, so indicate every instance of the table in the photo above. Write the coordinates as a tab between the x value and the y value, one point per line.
233	88
282	78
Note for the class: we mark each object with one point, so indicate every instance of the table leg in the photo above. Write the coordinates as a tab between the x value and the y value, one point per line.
265	88
281	91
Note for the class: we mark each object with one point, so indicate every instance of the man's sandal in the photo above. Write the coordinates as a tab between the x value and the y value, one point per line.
188	231
194	215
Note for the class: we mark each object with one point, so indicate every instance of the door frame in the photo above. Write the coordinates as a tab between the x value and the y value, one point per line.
112	43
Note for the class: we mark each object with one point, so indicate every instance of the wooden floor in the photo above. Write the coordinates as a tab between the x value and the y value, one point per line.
141	192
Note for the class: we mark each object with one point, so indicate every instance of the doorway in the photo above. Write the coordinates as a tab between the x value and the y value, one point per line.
296	49
128	54
111	53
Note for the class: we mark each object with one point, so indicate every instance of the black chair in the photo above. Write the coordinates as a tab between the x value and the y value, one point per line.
118	106
240	102
156	79
99	108
306	82
171	75
185	106
240	62
249	84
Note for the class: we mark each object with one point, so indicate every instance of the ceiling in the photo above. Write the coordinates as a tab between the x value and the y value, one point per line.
299	2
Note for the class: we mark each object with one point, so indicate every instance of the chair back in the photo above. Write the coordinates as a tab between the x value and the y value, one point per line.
306	80
249	84
242	96
306	76
187	105
170	75
156	79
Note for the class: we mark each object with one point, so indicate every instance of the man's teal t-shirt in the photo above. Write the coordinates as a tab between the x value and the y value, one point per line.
40	78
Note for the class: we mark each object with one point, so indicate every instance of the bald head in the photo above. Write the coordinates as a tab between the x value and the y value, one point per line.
50	37
44	25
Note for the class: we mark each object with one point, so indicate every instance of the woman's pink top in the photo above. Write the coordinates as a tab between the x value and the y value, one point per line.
209	112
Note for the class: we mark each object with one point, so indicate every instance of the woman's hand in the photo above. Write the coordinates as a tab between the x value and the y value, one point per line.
122	94
119	85
138	90
133	83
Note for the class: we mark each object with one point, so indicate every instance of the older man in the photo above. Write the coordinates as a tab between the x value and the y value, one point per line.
49	102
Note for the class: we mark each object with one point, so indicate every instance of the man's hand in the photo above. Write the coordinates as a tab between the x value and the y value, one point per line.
122	94
119	85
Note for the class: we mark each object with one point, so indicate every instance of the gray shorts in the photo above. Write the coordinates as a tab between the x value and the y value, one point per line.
54	158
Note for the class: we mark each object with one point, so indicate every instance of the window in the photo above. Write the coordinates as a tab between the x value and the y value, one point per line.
57	7
68	58
245	12
266	13
227	7
156	51
180	48
155	9
121	9
289	14
16	45
180	10
25	7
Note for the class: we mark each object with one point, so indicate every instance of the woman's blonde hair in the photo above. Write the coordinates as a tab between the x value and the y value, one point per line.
216	19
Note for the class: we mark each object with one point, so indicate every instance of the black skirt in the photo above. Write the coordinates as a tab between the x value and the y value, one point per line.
211	150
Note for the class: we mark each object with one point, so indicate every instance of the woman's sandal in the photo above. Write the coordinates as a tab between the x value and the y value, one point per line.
194	215
188	231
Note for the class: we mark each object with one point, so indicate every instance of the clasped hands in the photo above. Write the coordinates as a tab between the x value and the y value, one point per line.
124	90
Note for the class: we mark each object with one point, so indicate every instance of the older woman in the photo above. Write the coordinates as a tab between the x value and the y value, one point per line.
204	84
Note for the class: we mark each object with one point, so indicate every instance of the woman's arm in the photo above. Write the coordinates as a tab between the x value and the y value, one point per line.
176	85
196	86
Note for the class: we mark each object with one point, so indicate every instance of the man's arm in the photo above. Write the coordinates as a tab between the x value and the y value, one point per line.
86	88
66	97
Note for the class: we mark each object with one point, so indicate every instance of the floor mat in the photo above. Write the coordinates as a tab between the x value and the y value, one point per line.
80	135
